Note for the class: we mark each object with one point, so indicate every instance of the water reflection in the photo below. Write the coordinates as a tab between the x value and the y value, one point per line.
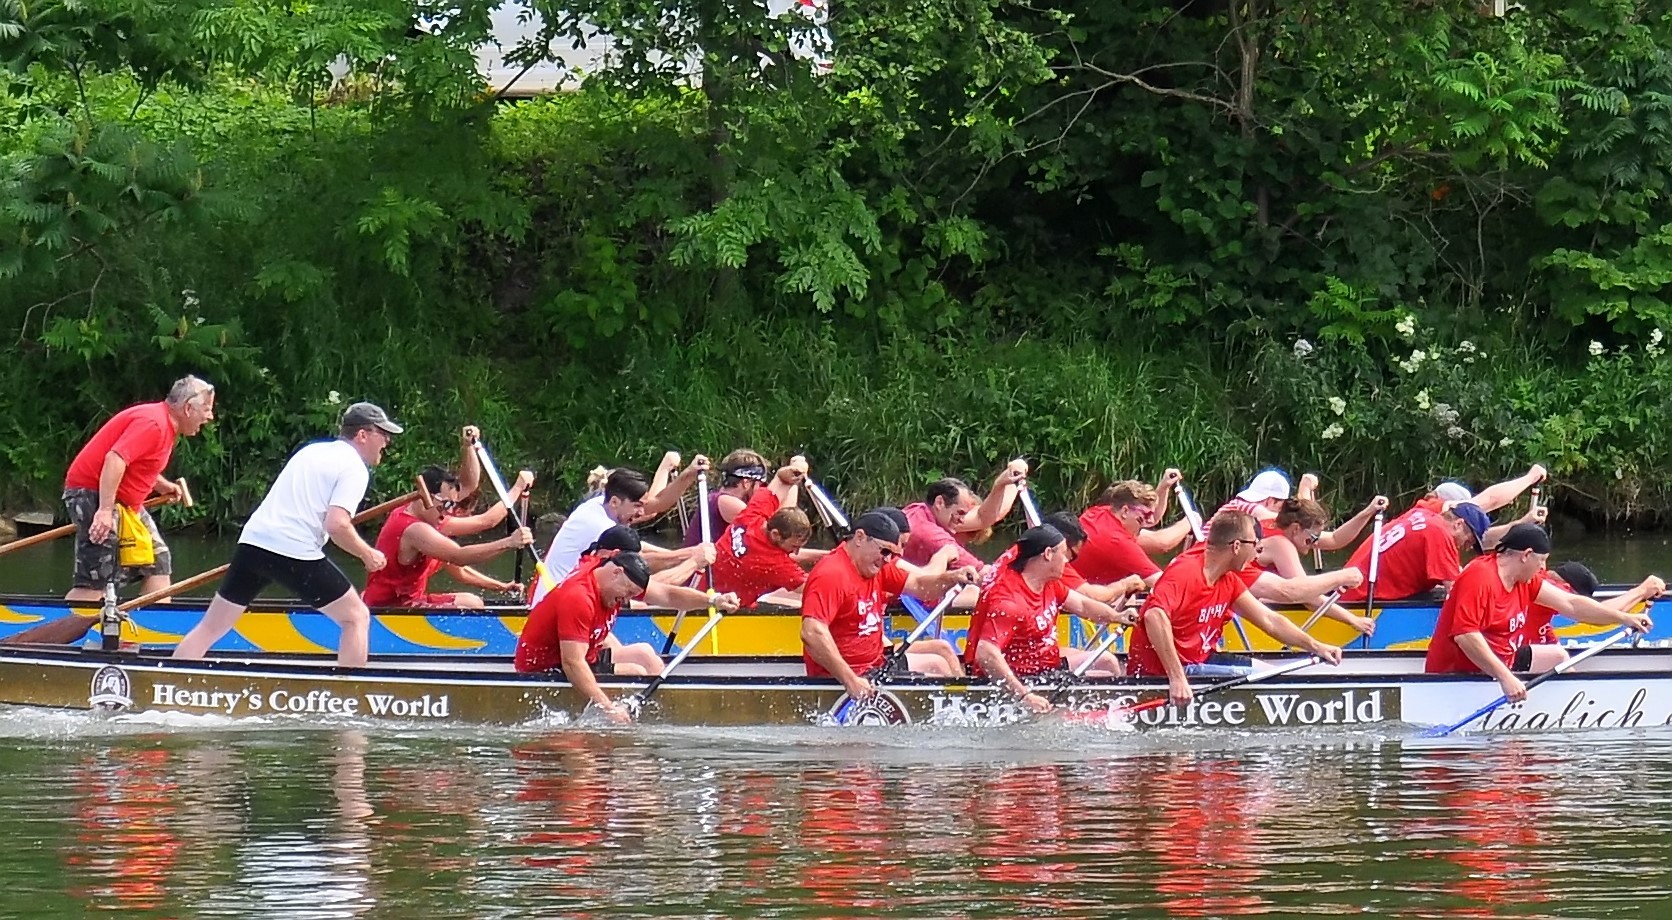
590	824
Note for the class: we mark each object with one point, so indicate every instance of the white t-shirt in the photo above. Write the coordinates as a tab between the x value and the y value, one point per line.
581	529
290	521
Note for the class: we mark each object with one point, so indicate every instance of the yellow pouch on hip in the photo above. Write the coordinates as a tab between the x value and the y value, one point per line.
133	539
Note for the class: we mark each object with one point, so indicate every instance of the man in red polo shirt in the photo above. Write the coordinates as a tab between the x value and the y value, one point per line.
952	513
1577	578
1180	625
1013	632
570	627
842	607
1419	552
1483	623
122	464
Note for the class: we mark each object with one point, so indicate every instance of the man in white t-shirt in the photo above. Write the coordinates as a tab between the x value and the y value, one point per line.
314	499
621	502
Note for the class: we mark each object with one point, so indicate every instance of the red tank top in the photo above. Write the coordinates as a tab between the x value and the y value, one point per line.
398	583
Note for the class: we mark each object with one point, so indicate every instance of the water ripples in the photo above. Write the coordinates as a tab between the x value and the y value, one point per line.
164	820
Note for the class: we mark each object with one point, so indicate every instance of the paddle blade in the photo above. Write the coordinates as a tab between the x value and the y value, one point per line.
62	631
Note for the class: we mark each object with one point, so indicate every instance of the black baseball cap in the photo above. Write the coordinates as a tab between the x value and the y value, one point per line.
636	568
1579	577
878	526
1525	536
894	514
1033	541
620	537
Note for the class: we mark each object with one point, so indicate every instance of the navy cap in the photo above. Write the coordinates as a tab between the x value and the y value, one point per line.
1525	536
878	526
1476	519
1033	541
636	568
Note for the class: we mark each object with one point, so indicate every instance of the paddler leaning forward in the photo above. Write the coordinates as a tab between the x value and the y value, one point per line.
1483	622
843	606
1180	625
1013	632
570	627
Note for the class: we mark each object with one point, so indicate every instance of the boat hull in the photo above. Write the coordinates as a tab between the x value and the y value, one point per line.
285	628
1617	689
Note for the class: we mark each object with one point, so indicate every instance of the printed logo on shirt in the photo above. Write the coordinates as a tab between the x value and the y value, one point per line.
737	547
1397	530
870	623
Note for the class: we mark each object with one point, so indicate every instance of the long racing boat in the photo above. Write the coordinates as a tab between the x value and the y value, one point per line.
292	628
1619	688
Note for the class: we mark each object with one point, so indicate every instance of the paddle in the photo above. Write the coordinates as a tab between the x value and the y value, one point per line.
1190	513
184	498
828	509
1079	673
843	707
637	700
1329	601
1030	511
58	632
1441	731
707	527
1375	566
1244	680
545	577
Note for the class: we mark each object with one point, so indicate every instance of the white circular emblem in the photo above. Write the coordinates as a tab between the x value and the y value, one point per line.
111	690
883	708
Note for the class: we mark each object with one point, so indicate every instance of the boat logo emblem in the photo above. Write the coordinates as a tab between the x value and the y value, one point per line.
883	708
111	691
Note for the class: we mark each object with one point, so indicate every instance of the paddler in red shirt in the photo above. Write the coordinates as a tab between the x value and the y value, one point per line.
1180	624
1013	632
1577	578
1069	526
843	607
1118	539
1489	499
1483	623
1298	528
1420	552
570	628
758	553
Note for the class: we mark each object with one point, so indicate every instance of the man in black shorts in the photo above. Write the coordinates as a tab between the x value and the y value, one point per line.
313	499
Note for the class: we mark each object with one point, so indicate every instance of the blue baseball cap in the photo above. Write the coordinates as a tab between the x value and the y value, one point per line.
1476	519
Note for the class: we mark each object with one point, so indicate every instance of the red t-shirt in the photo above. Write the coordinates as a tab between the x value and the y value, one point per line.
746	561
1431	504
1418	554
398	582
1249	573
574	611
1479	602
1022	622
1110	553
928	536
853	608
141	435
1198	611
1539	629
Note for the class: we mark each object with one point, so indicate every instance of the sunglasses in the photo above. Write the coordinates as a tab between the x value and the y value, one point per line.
1236	543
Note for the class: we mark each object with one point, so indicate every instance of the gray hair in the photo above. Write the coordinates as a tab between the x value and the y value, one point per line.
188	388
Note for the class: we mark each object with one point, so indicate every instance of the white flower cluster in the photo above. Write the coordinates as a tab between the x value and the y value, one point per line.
1654	348
1422	400
333	397
1406	327
1337	405
1455	433
1333	431
1445	414
1468	352
1596	349
1505	441
1409	365
1303	348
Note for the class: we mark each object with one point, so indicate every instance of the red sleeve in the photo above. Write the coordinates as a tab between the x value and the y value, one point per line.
141	437
781	571
893	579
1473	604
1057	591
1442	564
762	506
1071	580
823	598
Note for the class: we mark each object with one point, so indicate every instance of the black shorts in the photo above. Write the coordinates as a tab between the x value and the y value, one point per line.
605	665
317	582
1523	659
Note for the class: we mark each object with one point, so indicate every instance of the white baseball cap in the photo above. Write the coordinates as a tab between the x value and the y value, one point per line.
1269	484
1453	492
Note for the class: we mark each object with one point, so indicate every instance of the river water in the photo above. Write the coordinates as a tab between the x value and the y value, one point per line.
280	821
194	817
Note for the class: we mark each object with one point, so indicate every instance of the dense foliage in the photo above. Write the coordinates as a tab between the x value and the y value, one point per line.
1387	240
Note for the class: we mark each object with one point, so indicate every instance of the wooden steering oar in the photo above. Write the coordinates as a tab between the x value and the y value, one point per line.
184	498
58	632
